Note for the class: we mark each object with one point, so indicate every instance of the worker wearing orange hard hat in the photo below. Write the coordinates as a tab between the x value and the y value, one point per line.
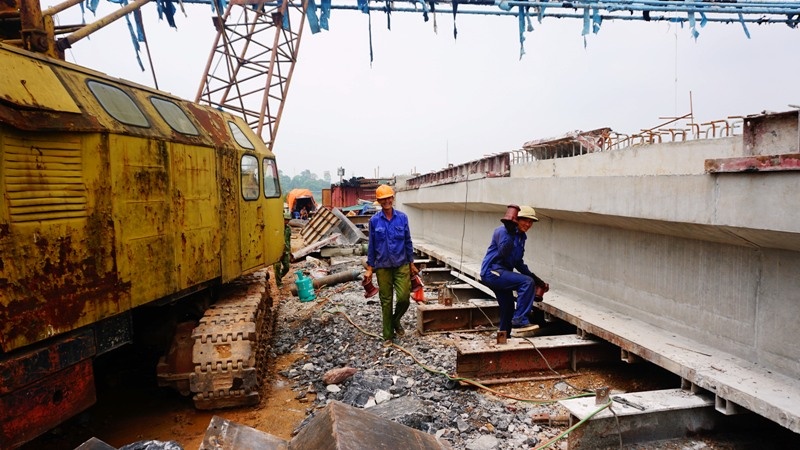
505	253
390	254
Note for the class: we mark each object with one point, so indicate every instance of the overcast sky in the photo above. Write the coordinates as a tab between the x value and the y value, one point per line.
428	100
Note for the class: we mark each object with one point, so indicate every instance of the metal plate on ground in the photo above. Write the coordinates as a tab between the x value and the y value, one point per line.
521	357
432	318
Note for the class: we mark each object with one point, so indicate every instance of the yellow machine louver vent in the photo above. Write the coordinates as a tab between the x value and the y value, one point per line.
44	179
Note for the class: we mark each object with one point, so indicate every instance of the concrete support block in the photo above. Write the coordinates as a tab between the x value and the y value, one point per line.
668	414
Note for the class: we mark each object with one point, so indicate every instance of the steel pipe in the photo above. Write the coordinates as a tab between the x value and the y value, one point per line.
336	278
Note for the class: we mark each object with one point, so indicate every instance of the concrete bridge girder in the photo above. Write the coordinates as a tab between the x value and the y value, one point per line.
646	233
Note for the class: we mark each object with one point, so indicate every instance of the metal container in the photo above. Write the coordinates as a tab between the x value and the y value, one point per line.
305	288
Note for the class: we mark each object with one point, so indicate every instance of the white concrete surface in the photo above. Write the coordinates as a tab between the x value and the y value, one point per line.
646	233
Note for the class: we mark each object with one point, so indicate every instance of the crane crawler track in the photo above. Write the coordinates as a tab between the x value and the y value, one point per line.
230	345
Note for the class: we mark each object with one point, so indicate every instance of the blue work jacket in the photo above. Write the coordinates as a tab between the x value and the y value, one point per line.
390	243
505	252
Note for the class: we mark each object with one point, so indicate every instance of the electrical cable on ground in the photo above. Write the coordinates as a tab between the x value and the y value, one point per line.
573	428
448	376
586	393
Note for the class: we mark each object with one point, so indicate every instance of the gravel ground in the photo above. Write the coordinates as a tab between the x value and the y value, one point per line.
340	329
408	381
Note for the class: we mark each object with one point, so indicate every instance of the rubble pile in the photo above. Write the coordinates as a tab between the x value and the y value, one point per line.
333	333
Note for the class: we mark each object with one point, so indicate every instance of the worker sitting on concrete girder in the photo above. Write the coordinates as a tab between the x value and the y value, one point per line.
505	253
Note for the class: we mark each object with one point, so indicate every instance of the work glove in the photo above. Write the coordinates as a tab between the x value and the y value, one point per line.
511	226
539	290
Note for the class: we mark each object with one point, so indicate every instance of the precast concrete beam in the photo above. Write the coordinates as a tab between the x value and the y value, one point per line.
736	383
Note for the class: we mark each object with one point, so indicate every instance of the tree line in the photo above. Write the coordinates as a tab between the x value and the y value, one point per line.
305	180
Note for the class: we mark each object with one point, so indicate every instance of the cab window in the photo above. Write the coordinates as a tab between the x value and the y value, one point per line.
174	116
272	187
118	104
240	137
249	177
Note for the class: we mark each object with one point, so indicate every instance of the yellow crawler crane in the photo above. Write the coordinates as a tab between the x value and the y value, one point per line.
118	197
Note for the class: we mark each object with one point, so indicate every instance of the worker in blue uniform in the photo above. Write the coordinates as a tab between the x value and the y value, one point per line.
505	253
390	253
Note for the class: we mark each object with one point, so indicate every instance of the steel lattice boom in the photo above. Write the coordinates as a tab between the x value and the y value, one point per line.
251	64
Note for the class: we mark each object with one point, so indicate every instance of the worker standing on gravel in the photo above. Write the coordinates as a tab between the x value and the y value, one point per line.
505	253
391	254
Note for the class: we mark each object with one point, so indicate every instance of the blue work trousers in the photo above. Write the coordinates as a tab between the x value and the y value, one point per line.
503	284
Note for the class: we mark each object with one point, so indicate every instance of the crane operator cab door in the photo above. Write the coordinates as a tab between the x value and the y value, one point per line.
260	206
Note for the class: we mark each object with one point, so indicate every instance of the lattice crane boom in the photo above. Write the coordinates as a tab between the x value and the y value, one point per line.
251	64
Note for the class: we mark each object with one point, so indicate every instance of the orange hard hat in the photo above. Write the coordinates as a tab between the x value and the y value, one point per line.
384	191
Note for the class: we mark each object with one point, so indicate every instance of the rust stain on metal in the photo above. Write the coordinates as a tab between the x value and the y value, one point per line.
761	163
502	337
64	277
44	404
211	124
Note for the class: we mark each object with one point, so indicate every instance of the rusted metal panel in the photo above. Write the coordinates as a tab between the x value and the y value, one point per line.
60	228
348	193
459	317
143	216
326	198
251	220
517	357
46	403
44	177
213	126
32	84
196	218
30	367
765	163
